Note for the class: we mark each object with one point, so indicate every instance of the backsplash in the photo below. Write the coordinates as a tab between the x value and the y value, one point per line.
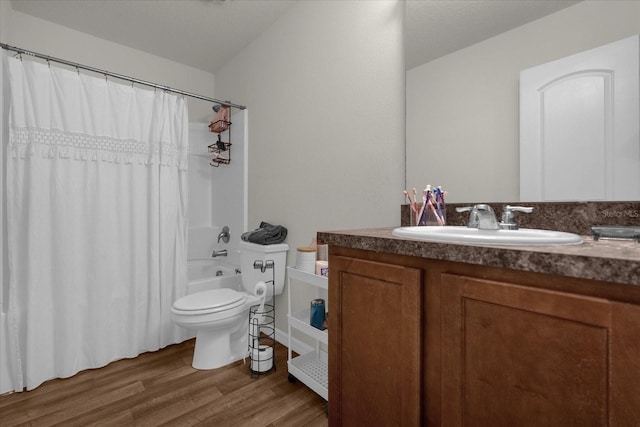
572	217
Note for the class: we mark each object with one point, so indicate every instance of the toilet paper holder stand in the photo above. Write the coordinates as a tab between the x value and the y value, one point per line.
262	336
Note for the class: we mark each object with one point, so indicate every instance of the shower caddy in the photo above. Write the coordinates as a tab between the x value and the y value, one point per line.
220	147
312	367
262	335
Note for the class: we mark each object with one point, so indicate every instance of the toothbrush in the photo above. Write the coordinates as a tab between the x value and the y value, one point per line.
440	202
430	206
406	194
411	204
433	209
424	205
443	194
415	203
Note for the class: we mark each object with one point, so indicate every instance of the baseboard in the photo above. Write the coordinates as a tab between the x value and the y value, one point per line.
296	345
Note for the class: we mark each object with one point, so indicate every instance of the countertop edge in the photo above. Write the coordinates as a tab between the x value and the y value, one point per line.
609	261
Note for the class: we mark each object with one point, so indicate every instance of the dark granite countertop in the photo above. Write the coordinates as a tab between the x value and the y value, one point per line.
616	261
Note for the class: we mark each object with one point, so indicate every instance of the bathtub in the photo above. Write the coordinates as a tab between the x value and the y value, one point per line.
206	274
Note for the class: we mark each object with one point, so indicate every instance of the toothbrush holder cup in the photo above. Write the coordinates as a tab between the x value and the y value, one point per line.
427	215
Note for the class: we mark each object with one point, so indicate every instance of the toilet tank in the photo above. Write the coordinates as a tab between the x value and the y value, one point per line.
251	252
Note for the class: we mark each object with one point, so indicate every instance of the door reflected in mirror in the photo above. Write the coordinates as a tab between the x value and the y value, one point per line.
462	124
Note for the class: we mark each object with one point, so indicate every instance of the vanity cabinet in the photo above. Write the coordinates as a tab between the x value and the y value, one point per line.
428	342
516	355
375	343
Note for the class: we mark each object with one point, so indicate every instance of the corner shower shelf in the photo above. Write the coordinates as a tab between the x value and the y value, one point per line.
310	368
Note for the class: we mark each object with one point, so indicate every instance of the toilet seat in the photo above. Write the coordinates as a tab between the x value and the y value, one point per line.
212	301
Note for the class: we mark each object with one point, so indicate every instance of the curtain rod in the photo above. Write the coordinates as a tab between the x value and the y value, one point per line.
119	76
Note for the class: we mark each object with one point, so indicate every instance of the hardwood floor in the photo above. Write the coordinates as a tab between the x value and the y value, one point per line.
161	388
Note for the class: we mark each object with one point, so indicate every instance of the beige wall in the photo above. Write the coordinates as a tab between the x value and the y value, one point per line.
462	109
25	31
325	91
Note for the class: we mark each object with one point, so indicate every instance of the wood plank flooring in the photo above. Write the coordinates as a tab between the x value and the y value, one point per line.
162	389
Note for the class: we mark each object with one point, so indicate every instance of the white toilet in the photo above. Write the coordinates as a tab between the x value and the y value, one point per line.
220	317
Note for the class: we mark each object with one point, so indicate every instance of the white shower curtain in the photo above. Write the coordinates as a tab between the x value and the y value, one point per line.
96	192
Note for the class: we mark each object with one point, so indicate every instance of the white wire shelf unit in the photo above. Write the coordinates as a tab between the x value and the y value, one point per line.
310	368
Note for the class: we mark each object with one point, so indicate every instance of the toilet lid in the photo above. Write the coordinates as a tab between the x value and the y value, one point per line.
214	299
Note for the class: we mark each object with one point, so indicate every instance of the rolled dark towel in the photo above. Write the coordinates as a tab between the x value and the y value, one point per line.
266	234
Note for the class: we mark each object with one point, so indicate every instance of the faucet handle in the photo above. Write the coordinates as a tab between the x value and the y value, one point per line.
224	235
478	207
510	209
474	219
464	209
508	220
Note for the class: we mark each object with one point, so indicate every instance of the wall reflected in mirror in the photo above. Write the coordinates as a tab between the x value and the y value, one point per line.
462	127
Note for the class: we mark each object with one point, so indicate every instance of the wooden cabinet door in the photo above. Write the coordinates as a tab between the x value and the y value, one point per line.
374	343
520	356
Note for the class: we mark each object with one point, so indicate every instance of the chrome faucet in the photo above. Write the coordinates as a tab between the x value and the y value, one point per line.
481	216
216	254
508	221
224	235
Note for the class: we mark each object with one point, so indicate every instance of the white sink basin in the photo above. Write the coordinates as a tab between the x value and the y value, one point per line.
456	234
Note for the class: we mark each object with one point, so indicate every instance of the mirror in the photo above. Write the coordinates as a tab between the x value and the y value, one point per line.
462	106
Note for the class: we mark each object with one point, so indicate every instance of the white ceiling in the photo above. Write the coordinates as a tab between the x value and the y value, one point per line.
435	28
206	34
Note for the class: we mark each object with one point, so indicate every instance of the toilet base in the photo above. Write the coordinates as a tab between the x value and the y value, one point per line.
212	350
